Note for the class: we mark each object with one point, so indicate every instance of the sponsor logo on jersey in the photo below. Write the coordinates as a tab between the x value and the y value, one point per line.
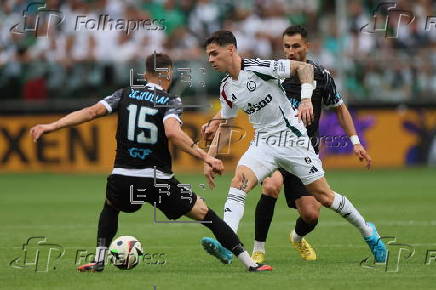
139	152
251	86
257	107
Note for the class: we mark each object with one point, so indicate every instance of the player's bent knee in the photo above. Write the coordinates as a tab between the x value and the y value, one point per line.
310	217
325	198
322	192
199	210
270	188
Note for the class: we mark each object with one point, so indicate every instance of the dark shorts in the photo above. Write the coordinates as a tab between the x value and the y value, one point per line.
128	193
293	188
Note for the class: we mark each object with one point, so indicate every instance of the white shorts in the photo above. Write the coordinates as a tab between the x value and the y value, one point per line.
298	158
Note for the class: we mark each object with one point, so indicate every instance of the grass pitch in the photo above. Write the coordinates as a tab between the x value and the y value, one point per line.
65	208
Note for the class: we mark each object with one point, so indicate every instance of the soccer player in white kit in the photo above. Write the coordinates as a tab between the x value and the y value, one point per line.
280	141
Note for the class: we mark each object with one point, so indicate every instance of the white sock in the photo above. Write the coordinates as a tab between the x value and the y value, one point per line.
245	258
234	208
295	237
100	254
346	209
259	247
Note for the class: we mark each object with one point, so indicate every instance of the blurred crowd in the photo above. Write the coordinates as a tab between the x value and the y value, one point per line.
66	50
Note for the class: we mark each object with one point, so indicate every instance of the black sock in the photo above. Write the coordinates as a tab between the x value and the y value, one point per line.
263	216
302	228
223	233
107	225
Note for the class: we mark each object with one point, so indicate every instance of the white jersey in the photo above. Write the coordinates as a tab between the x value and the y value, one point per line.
258	92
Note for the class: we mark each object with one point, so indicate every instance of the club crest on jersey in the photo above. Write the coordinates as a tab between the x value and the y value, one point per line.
251	86
308	160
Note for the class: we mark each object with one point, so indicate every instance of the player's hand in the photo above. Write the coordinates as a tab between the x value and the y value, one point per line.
40	129
361	153
209	129
216	164
305	112
210	175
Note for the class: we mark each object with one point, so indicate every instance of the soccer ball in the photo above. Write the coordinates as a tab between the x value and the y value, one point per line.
125	252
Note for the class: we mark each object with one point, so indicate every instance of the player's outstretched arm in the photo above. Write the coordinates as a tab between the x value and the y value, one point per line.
72	119
346	122
175	134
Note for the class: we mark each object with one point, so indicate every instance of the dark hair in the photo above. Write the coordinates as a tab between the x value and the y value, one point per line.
157	60
296	29
221	37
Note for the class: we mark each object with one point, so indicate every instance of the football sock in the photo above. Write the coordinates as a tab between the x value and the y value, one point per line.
107	228
302	228
222	232
245	258
259	247
263	217
296	238
346	209
227	237
234	208
100	254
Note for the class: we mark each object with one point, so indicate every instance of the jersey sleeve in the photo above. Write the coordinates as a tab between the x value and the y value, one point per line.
111	102
174	109
228	108
268	69
331	97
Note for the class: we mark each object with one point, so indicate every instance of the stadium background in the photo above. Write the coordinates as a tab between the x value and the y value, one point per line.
386	77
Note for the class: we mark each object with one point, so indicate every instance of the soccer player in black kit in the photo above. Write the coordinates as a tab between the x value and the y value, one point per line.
148	118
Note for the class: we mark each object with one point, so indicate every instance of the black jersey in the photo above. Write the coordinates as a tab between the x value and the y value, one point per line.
324	96
141	139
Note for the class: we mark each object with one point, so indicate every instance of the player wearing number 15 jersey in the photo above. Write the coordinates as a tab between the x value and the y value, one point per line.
147	108
148	118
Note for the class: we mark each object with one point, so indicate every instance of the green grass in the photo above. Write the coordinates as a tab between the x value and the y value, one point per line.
65	209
